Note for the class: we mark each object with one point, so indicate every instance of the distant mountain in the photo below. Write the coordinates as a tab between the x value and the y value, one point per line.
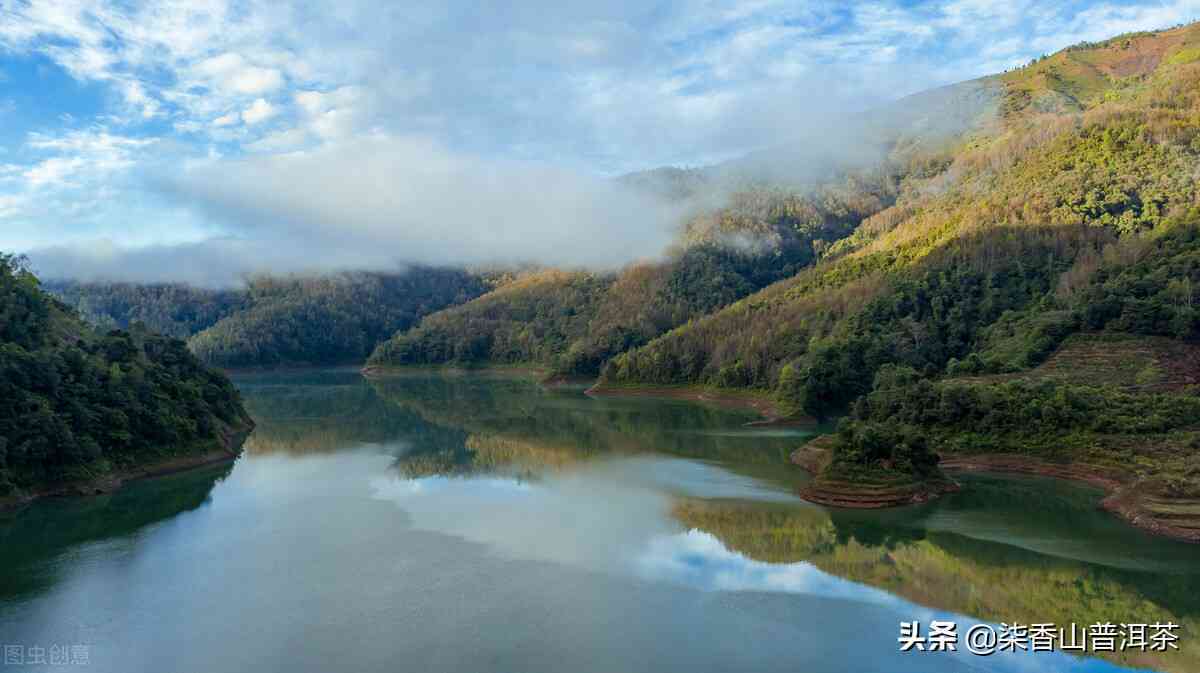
278	320
173	309
331	319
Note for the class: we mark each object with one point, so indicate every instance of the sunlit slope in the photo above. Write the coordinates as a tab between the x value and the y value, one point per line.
1034	219
1087	74
573	322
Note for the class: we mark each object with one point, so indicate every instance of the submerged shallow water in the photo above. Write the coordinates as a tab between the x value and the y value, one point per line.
475	523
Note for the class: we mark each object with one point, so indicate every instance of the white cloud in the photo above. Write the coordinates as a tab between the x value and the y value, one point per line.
96	141
259	111
316	102
279	141
64	181
11	204
378	201
411	198
53	170
95	152
587	87
256	80
231	73
137	98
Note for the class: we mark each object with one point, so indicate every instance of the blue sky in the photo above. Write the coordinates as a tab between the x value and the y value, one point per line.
205	131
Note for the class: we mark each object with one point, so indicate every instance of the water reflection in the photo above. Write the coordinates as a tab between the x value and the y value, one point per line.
31	538
565	419
588	520
323	411
1005	549
463	523
953	572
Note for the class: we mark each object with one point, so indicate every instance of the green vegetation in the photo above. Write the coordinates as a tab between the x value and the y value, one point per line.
277	321
1016	416
170	309
324	320
573	323
1124	361
75	404
525	321
1055	224
1077	211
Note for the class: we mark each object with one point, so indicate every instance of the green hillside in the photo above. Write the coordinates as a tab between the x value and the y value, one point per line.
277	320
77	406
172	309
1077	211
574	322
322	320
1027	229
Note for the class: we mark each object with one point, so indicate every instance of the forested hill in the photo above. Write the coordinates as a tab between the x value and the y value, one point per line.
1076	215
172	309
331	319
754	221
77	405
573	322
1092	167
278	320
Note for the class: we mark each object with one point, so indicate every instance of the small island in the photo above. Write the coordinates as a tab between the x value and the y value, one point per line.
863	466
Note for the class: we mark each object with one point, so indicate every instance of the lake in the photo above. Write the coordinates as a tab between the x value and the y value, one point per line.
475	523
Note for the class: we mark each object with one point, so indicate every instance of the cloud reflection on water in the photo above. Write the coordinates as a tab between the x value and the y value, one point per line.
589	520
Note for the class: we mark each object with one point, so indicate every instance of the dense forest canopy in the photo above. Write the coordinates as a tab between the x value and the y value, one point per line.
76	403
278	320
172	309
334	319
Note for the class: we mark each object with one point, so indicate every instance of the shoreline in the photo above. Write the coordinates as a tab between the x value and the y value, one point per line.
1105	480
289	369
1127	500
760	403
379	372
229	448
847	495
881	490
1124	499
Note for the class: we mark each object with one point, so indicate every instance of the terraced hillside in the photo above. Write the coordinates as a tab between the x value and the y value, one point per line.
1129	362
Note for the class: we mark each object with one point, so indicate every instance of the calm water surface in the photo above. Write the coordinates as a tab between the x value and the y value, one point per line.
469	524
